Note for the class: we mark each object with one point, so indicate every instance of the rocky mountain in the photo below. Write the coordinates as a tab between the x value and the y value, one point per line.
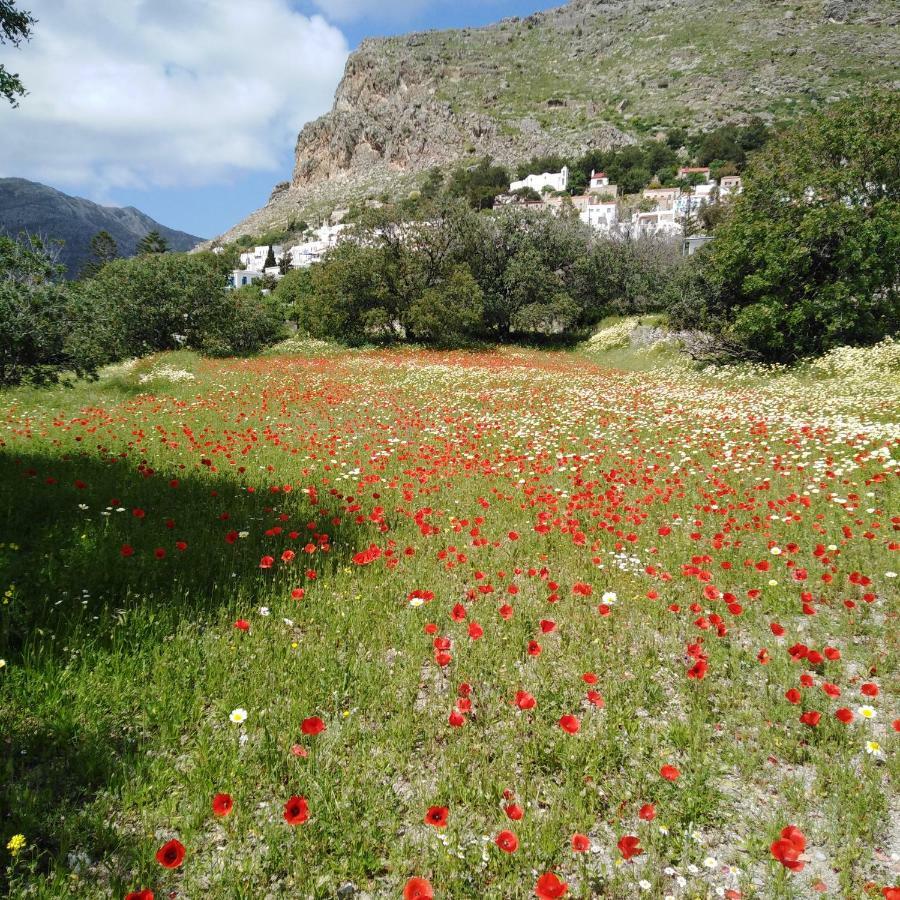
592	73
36	208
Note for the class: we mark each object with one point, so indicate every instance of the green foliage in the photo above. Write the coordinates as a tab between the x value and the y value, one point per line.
173	300
152	243
479	184
103	250
15	27
450	313
45	330
807	258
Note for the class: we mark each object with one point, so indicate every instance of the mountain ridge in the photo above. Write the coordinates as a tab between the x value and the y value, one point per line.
40	209
589	74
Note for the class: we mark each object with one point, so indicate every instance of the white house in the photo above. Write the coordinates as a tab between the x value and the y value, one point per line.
663	198
256	258
304	255
242	277
659	222
601	215
730	184
556	181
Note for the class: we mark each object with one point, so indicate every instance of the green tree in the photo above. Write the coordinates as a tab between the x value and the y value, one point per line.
103	250
152	243
808	256
450	313
270	258
45	331
479	184
15	27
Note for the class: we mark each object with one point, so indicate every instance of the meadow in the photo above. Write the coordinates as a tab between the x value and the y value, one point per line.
457	625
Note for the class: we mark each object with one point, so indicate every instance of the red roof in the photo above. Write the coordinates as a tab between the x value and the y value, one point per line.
690	169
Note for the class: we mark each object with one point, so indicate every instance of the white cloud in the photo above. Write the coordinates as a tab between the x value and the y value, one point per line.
139	93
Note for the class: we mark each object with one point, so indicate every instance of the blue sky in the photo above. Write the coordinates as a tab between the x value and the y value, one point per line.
189	110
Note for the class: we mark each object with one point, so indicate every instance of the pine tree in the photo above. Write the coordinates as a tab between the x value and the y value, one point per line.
103	250
152	243
270	258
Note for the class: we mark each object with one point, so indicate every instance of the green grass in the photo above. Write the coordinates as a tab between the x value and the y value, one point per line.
121	671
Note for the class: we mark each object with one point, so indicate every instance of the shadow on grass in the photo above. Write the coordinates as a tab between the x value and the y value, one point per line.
77	597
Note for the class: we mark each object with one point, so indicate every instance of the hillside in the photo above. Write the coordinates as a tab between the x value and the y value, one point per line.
592	73
36	208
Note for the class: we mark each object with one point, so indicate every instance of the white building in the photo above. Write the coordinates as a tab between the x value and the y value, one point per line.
730	184
304	255
556	181
660	222
601	215
256	258
242	277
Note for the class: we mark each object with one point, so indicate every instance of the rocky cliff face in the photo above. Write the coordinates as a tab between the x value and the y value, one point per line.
592	73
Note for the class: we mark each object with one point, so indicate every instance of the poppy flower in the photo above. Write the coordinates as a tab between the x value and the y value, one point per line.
647	812
570	724
843	715
596	698
475	631
296	811
418	889
312	726
547	625
534	648
242	625
811	718
437	816
670	773
589	678
793	696
524	700
788	847
514	812
456	718
549	887
507	842
580	842
267	562
869	689
629	845
222	805
143	894
891	893
171	854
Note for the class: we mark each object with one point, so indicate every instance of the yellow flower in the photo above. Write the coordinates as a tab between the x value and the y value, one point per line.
16	844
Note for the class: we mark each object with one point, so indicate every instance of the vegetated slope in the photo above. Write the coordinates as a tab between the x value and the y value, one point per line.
591	73
39	209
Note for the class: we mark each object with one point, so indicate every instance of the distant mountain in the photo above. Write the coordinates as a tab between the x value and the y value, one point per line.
593	74
38	209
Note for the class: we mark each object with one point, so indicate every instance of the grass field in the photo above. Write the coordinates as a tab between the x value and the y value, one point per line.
641	620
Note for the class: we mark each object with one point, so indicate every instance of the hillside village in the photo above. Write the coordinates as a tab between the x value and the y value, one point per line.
664	212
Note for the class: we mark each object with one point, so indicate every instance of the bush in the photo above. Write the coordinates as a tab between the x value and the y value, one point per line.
450	313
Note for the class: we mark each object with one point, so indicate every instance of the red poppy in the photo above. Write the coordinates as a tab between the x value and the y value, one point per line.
418	889
869	689
475	631
891	893
126	550
570	724
596	698
793	696
524	700
437	816
788	847
670	773
580	842
266	562
312	726
647	812
171	854
549	887
547	625
843	715
534	648
242	625
507	842
456	718
629	845
143	894
811	718
296	811
222	805
514	812
589	678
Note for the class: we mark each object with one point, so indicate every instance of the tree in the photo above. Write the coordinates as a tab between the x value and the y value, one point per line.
808	257
479	184
45	331
450	313
103	250
15	27
270	258
152	243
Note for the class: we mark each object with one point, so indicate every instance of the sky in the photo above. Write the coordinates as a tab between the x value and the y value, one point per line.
190	109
